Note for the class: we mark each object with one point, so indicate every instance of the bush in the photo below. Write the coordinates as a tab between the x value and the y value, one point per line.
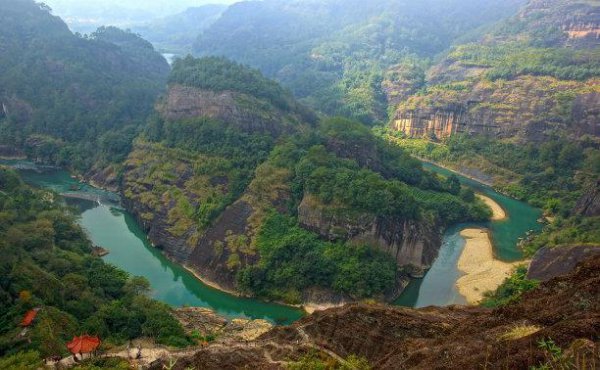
510	290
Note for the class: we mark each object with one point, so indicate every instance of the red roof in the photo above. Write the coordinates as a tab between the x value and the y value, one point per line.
83	344
29	317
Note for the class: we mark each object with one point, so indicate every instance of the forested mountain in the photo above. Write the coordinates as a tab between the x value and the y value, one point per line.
519	104
68	99
86	16
335	54
238	181
47	265
177	33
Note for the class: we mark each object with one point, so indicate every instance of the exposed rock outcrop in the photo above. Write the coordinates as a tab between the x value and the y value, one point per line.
410	243
589	204
212	256
522	108
10	152
579	21
174	246
441	124
16	109
549	263
487	88
240	110
586	114
206	322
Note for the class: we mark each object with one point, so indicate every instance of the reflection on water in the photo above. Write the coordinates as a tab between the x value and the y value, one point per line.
438	287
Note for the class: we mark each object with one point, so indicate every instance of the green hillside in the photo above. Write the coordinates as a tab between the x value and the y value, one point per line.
47	264
69	99
334	54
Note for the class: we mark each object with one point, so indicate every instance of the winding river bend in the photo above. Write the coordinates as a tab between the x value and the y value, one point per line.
111	227
438	287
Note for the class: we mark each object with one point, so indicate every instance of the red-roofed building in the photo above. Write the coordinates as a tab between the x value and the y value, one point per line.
83	344
29	317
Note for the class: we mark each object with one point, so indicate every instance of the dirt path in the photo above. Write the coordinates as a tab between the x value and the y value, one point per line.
309	342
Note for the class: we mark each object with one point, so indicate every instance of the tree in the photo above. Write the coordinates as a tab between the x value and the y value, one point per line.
453	184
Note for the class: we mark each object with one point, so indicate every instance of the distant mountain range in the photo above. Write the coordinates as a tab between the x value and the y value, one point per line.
85	16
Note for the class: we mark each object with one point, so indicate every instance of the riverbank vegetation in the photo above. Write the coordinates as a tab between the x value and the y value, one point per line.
47	264
552	176
510	290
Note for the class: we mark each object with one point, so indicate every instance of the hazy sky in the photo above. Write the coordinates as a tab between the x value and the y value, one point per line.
73	6
87	15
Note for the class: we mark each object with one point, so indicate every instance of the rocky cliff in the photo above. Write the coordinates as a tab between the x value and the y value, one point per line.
589	204
533	76
523	107
579	21
549	263
244	111
410	243
564	309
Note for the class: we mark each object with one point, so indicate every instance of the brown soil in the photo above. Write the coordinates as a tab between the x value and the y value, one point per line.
565	309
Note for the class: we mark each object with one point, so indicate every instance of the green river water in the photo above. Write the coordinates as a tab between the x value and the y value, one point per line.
438	288
111	227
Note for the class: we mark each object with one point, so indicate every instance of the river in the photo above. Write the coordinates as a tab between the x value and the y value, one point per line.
438	287
110	226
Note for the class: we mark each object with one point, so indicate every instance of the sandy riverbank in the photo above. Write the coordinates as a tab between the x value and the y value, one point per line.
311	308
498	212
308	309
482	271
207	282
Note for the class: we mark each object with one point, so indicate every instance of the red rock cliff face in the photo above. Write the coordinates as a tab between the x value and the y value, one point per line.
527	108
440	123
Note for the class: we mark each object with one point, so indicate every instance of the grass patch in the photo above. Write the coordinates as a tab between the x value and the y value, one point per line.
519	332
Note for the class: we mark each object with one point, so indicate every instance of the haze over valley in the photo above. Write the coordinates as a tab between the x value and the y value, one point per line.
304	184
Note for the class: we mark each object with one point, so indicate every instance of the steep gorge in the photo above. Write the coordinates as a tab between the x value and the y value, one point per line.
216	165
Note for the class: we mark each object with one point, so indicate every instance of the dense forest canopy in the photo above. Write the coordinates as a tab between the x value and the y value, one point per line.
62	93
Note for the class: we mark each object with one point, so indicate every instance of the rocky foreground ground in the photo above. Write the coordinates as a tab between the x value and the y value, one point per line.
557	324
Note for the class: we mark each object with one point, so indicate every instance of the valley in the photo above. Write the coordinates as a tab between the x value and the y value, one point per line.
303	184
172	284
